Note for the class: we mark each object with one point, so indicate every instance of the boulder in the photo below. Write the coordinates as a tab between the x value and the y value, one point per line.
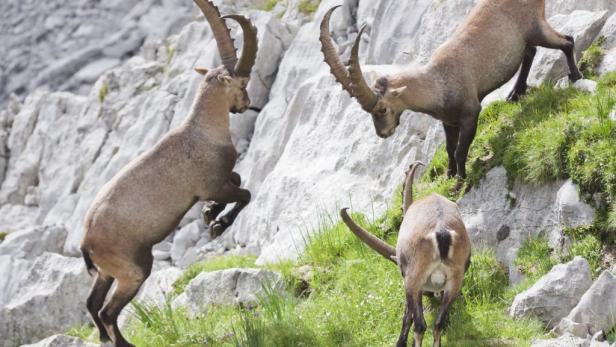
187	238
227	287
32	242
609	62
55	284
555	294
61	341
12	273
595	311
571	210
525	210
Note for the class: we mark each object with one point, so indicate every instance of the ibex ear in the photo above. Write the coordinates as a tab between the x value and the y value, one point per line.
201	70
398	91
225	79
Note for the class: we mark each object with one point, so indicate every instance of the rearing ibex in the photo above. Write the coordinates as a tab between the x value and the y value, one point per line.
145	201
485	51
433	253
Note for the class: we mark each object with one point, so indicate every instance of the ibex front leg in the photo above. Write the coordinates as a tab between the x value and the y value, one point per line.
213	209
229	193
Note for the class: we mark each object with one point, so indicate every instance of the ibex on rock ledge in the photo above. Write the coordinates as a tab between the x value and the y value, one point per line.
485	51
146	200
433	253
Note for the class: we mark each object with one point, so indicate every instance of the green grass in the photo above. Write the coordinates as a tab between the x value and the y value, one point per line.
3	235
536	258
356	298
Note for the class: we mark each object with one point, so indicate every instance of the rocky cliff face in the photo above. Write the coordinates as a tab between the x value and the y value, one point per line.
310	149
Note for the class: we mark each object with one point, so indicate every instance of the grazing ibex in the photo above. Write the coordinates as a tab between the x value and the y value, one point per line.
146	200
433	253
485	51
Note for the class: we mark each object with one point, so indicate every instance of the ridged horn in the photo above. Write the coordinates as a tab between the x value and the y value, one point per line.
364	94
332	59
221	32
372	241
249	51
407	190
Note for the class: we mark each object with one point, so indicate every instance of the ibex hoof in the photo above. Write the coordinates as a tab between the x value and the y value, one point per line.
216	229
207	216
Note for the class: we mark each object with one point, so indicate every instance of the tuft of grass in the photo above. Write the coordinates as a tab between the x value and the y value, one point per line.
103	91
592	57
589	248
214	264
3	235
308	7
486	280
535	258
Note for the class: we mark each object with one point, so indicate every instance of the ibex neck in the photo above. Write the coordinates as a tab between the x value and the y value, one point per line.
424	93
210	112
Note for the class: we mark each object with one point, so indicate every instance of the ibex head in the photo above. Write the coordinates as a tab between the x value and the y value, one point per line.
383	101
234	74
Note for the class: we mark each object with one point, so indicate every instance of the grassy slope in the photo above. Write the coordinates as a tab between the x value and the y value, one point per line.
355	298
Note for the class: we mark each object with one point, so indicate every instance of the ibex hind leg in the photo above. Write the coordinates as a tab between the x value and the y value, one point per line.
520	85
211	211
442	318
130	277
550	38
95	302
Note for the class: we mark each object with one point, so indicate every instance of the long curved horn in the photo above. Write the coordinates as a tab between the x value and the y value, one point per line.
407	191
366	97
221	32
249	51
331	55
374	242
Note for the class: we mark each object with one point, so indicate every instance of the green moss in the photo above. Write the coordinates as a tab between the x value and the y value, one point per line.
103	91
592	57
